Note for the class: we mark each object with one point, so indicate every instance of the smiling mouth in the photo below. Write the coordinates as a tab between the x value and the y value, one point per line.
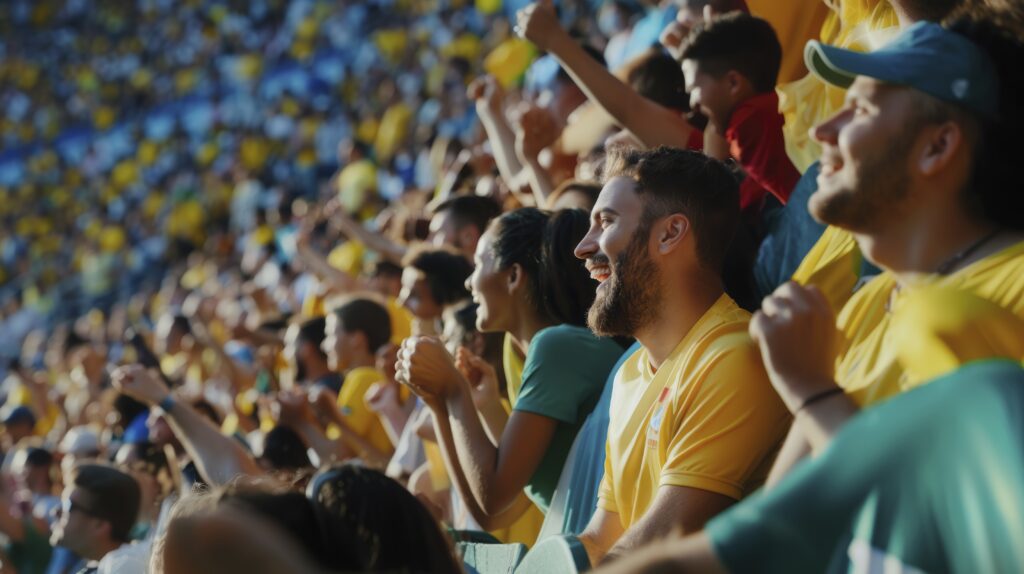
599	273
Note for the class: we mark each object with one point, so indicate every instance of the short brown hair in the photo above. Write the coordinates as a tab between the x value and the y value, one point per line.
671	180
110	495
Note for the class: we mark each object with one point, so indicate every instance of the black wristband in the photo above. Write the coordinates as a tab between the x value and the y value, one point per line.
818	397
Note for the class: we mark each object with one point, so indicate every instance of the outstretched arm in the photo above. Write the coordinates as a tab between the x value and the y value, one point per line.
650	122
219	458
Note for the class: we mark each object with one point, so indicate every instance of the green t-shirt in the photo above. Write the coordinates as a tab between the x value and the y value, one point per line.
565	371
33	553
930	480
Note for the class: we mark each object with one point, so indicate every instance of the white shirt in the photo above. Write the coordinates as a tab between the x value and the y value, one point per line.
128	559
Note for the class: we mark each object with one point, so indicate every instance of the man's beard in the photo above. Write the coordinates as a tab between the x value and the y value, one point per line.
882	182
631	297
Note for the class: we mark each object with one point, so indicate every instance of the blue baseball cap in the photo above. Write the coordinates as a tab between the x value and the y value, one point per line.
925	57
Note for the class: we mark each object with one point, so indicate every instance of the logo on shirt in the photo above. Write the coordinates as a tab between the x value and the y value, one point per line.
654	428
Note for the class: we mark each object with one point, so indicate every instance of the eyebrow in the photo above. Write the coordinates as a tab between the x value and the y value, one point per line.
606	210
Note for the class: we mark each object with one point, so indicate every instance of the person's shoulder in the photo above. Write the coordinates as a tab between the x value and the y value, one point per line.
565	335
128	559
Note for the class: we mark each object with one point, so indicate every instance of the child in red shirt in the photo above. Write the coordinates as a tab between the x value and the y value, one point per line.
731	64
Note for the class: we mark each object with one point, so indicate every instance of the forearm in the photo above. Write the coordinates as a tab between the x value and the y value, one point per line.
374	241
394	420
458	475
794	450
540	182
651	123
493	417
822	420
318	265
219	458
503	143
475	454
313	437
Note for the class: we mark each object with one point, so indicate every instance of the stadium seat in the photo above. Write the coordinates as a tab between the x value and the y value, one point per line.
491	558
556	555
575	498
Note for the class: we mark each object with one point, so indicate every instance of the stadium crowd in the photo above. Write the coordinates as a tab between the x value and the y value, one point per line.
415	286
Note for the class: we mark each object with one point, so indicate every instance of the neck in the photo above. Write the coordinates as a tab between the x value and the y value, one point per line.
315	369
102	549
529	324
678	311
361	360
924	246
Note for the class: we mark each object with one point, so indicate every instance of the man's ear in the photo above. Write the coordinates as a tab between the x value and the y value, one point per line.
670	232
941	147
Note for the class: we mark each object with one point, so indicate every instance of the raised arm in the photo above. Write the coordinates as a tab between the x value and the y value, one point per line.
371	239
219	458
495	476
650	122
489	99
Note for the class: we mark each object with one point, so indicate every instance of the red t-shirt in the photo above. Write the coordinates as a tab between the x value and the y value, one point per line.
755	141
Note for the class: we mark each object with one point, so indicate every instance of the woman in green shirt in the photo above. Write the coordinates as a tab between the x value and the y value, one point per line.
529	284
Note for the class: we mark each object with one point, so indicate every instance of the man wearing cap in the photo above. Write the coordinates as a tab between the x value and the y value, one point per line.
918	167
915	167
98	509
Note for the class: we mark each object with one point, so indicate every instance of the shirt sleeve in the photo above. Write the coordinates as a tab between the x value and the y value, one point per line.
729	430
606	490
564	374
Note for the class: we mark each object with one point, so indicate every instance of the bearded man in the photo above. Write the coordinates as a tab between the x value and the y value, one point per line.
694	422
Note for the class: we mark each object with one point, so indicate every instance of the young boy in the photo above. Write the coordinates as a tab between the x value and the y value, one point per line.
731	64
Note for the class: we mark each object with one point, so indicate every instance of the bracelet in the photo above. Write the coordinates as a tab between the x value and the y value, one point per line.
166	403
818	397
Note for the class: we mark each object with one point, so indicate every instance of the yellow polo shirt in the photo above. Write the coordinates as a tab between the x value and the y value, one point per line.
708	418
868	367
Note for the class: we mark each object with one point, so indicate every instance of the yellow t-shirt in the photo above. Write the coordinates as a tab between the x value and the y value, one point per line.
833	266
401	321
969	328
352	403
868	367
707	419
513	364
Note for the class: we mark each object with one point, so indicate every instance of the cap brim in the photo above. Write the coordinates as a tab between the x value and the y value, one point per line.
836	65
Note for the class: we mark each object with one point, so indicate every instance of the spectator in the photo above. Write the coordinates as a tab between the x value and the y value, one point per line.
98	510
498	456
731	64
658	237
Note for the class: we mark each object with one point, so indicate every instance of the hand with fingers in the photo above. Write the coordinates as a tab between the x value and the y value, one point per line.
425	366
539	24
486	92
291	408
482	378
143	384
796	332
535	129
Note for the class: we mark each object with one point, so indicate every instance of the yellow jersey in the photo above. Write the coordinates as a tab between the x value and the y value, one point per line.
708	418
867	366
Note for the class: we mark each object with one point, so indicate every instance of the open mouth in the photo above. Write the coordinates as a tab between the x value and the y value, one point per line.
599	272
